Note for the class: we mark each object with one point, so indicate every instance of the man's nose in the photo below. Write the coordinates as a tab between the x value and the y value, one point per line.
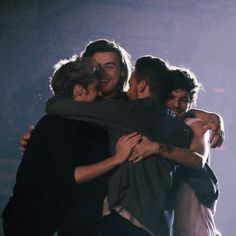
102	74
176	104
103	71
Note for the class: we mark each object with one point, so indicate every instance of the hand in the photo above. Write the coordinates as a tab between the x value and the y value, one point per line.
144	149
25	139
216	124
125	145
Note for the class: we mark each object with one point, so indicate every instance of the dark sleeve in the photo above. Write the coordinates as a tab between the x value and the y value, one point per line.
204	183
64	147
111	114
174	131
50	158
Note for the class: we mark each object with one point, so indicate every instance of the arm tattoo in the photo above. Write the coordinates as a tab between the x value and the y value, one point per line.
166	148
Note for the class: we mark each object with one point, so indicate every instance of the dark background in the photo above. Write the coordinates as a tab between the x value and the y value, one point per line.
35	34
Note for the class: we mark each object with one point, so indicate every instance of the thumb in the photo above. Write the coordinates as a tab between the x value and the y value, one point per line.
31	128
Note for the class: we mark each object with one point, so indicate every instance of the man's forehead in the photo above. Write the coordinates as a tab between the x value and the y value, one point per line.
106	57
180	93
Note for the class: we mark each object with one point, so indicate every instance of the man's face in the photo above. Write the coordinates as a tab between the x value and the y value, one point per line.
91	92
179	102
80	94
132	93
110	72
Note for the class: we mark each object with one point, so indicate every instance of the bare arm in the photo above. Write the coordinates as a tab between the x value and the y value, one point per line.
124	147
195	157
215	123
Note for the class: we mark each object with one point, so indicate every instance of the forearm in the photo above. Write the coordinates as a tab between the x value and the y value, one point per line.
90	172
185	157
106	113
205	115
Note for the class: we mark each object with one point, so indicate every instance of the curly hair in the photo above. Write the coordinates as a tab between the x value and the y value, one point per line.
182	78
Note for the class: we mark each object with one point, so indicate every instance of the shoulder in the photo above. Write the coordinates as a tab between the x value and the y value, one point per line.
51	121
55	124
191	121
57	131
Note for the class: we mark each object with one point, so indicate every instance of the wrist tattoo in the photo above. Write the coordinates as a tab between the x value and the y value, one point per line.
165	148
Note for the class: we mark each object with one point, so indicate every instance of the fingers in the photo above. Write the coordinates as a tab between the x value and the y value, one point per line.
216	124
131	139
134	158
212	137
31	128
129	136
137	159
125	145
25	139
217	138
23	142
141	150
27	135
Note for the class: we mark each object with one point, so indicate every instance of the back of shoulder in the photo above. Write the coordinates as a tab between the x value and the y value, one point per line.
51	124
178	130
49	120
58	124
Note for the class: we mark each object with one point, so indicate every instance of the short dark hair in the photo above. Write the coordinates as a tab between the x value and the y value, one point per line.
104	45
154	70
182	78
74	71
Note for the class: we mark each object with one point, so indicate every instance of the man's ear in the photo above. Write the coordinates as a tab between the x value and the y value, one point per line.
142	85
78	92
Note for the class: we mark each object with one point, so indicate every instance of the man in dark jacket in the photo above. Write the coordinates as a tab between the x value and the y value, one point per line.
115	65
62	153
137	192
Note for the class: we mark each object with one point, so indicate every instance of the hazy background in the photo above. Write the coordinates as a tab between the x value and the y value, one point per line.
35	34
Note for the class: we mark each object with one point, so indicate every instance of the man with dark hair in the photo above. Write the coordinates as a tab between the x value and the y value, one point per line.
197	190
115	65
62	153
136	192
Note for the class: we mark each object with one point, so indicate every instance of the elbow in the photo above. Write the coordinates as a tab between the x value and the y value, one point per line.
77	180
77	176
80	180
199	163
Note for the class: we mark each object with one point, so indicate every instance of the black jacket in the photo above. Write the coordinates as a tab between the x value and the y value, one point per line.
45	189
139	188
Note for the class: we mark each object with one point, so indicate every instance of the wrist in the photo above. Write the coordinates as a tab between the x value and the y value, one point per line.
115	160
156	148
165	149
